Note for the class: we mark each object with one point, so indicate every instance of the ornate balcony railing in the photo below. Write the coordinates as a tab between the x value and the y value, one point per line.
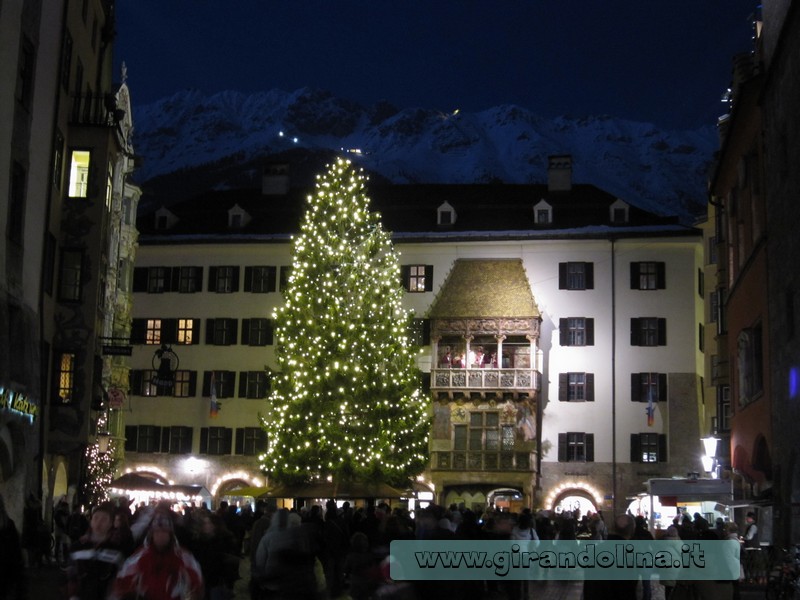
481	461
486	379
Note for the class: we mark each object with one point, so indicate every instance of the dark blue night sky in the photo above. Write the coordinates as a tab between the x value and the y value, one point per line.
661	61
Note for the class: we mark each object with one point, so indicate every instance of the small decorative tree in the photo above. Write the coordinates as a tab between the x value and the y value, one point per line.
346	401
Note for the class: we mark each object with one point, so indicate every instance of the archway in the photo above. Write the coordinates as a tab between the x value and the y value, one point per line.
574	496
506	499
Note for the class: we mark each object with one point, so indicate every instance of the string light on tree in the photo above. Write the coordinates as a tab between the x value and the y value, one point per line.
346	402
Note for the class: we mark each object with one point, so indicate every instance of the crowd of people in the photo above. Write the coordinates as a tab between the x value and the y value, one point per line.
314	553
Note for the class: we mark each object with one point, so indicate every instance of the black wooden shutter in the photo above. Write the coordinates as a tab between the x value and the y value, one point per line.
165	434
562	276
192	383
636	448
662	332
239	449
635	283
229	385
138	331
248	279
204	440
589	387
234	337
428	278
563	387
662	447
636	387
563	332
661	276
235	283
209	331
589	275
227	440
243	384
426	332
175	280
562	447
207	384
272	279
269	332
212	279
635	332
140	279
405	276
589	437
169	331
131	432
245	332
589	324
662	387
136	382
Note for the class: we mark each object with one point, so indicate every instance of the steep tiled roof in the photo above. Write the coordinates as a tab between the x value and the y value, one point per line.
485	288
410	212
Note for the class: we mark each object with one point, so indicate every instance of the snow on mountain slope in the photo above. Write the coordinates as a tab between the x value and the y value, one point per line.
661	171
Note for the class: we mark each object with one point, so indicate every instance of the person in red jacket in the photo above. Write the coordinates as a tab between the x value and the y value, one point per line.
161	569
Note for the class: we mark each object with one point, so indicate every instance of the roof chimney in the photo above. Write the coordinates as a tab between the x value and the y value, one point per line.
275	181
559	173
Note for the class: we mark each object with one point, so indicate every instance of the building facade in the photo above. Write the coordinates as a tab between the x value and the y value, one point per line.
560	333
69	232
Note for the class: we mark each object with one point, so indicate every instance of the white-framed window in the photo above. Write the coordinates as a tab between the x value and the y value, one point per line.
79	164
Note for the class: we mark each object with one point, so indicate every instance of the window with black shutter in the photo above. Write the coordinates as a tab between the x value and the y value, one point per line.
648	385
576	387
576	447
576	331
648	331
576	276
648	447
417	278
216	441
648	276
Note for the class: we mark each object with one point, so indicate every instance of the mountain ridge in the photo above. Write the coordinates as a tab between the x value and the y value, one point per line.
221	141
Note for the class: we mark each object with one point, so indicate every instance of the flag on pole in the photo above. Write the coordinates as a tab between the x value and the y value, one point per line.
214	409
651	411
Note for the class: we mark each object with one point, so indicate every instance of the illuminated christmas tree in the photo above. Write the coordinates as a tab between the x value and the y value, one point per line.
345	402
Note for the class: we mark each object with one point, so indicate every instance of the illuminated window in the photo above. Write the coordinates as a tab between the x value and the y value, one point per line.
576	276
69	285
66	378
109	186
417	278
648	276
184	386
576	447
79	173
576	387
648	447
186	331
153	331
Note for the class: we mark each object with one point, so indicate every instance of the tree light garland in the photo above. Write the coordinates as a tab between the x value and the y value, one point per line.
347	395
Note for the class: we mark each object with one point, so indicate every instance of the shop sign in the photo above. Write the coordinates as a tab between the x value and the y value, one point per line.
17	402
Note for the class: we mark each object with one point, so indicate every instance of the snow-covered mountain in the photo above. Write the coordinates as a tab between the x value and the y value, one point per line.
191	142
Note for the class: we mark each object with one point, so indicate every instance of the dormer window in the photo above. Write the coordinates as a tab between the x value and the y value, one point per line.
237	217
542	213
165	219
619	212
445	215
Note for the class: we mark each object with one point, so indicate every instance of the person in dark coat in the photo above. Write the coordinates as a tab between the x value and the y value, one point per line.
12	572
